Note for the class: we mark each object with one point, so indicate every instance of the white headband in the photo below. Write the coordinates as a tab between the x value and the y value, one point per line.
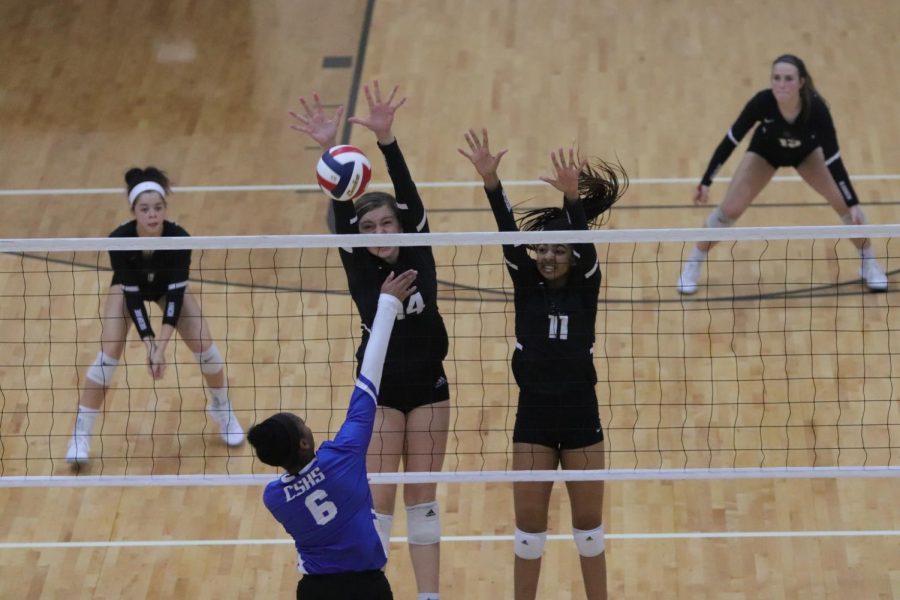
145	186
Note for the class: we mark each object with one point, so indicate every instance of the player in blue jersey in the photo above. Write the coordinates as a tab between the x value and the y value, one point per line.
323	498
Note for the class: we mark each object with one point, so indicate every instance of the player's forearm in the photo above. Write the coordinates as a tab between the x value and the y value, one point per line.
165	335
376	348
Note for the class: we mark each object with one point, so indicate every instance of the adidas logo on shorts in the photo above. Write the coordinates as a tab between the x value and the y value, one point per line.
441	381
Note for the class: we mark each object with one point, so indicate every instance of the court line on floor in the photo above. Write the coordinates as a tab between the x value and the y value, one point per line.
298	187
689	535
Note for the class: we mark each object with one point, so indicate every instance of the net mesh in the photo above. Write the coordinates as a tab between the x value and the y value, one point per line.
781	359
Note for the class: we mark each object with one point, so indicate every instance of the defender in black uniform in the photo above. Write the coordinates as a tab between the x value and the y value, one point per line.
795	130
414	411
556	295
162	277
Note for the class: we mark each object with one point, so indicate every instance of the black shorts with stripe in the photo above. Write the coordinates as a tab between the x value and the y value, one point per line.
563	421
413	390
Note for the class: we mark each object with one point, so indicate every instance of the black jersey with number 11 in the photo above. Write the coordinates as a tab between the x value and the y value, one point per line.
554	326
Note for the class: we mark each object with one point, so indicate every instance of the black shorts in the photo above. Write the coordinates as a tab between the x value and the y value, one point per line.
363	585
149	293
563	421
777	156
405	393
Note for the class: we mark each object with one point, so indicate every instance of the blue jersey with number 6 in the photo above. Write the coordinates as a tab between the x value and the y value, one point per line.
327	506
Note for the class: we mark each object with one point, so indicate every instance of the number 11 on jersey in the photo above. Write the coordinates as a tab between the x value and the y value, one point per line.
559	327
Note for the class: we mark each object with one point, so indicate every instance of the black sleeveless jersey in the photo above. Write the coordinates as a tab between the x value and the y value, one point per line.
151	276
555	328
419	340
782	143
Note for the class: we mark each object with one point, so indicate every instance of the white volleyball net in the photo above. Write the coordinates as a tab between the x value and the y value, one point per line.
781	363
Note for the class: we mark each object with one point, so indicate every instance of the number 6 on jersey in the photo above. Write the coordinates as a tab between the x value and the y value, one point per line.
323	511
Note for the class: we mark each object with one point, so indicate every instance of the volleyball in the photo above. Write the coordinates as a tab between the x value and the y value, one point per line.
343	172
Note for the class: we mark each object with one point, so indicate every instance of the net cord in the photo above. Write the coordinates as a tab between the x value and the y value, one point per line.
486	238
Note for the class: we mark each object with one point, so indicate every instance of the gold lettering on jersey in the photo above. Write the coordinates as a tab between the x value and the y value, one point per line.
789	143
302	485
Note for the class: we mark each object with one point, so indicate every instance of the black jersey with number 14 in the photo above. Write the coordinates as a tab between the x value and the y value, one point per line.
419	341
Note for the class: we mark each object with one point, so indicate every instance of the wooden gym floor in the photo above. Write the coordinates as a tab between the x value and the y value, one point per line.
202	89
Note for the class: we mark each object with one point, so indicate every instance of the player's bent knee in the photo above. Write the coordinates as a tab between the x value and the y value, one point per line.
589	542
423	522
211	361
102	369
719	219
530	546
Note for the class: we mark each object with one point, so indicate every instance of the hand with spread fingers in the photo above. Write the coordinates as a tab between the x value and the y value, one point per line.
316	124
381	113
568	170
481	158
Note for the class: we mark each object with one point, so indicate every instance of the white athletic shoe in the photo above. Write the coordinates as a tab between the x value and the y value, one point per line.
873	275
687	282
79	449
229	427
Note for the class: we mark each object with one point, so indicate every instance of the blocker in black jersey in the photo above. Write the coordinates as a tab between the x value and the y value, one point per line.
556	295
151	276
414	412
553	361
413	370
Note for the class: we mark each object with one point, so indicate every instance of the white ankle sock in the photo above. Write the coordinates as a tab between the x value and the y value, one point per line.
84	422
219	397
867	252
428	596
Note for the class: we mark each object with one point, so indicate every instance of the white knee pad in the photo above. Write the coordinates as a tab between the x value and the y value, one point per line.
530	546
423	522
210	360
718	219
102	369
590	542
383	525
